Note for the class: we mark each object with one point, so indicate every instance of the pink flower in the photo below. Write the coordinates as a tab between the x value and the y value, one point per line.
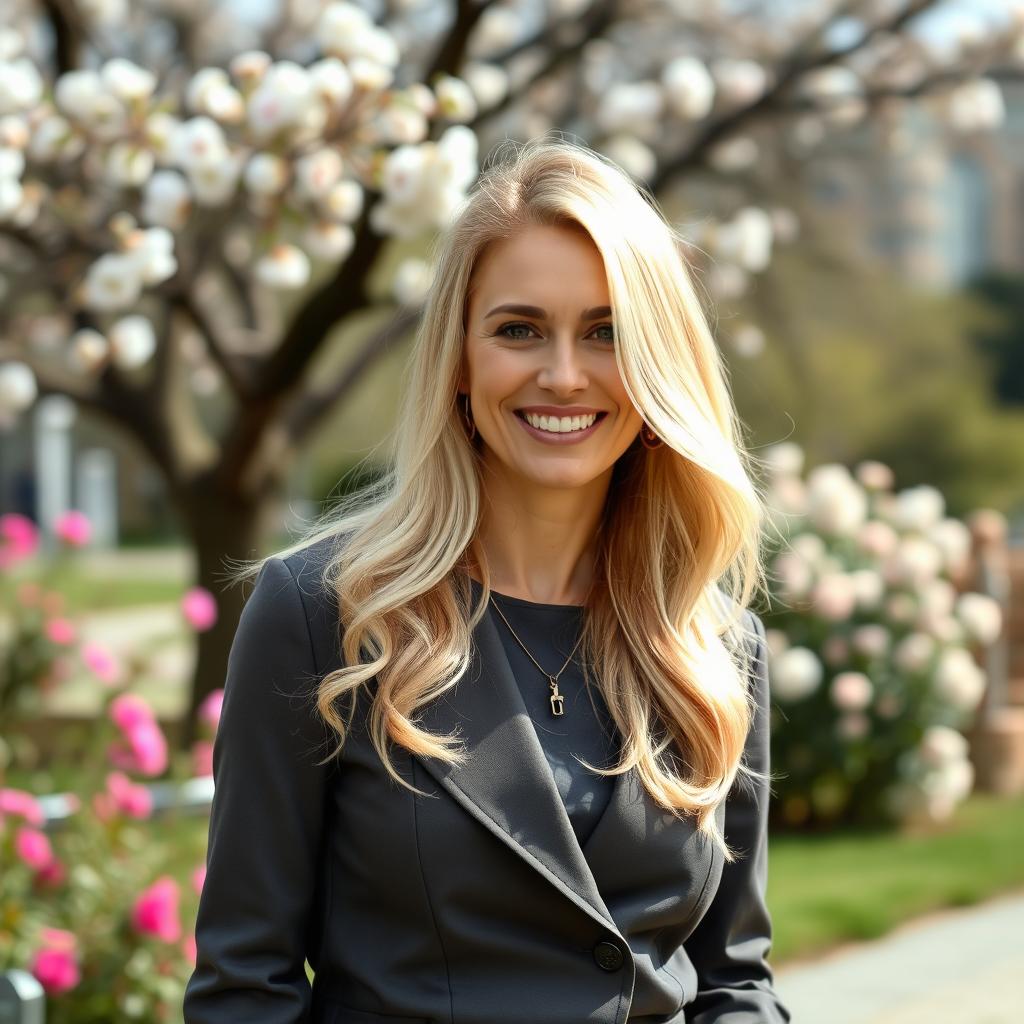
23	804
129	797
55	965
33	847
199	607
60	631
52	875
145	751
19	538
188	947
156	911
202	758
28	593
101	663
199	878
209	710
73	528
127	710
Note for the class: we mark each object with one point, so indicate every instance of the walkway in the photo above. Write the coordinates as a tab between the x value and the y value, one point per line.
963	966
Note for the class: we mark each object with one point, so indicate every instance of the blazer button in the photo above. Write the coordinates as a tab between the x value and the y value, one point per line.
608	956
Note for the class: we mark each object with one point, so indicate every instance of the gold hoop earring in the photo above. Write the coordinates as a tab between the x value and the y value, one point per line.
649	438
467	417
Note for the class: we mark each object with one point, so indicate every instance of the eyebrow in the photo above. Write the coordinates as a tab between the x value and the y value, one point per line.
539	314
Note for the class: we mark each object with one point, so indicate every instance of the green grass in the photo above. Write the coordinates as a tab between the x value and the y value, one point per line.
828	889
85	593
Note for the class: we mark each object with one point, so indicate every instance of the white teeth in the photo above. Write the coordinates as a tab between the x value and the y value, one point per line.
560	425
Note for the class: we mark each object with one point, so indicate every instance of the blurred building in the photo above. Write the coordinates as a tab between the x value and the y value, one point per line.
938	207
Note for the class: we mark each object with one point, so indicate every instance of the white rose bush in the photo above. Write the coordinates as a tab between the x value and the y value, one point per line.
197	198
874	645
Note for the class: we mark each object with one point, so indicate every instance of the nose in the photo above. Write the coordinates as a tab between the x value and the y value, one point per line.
563	370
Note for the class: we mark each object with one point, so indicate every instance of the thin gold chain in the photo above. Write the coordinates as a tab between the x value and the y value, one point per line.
557	701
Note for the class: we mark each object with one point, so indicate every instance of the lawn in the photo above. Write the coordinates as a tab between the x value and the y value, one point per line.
828	889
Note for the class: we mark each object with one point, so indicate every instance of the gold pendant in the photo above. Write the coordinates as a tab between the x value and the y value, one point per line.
557	699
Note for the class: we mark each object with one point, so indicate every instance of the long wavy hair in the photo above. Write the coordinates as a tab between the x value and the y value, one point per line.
679	554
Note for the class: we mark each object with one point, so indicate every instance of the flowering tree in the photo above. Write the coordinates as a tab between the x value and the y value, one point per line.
190	201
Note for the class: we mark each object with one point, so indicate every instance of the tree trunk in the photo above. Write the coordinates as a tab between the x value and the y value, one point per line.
222	528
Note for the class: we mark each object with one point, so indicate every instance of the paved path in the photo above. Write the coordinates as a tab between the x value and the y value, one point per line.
963	966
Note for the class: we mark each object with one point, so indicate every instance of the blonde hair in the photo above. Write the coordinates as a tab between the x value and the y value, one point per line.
681	524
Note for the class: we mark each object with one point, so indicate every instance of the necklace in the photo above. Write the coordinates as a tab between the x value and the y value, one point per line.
557	699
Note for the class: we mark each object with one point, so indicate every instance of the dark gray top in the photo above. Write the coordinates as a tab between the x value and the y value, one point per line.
585	729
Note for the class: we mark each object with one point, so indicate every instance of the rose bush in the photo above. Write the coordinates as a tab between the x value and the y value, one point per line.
871	646
96	906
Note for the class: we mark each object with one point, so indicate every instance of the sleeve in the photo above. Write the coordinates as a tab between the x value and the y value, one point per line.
729	947
266	816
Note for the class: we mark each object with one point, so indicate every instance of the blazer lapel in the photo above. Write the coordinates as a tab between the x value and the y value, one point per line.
506	782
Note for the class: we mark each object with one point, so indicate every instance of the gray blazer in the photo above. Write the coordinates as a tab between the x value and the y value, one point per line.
475	905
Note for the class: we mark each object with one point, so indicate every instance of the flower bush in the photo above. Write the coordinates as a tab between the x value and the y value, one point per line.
872	646
97	904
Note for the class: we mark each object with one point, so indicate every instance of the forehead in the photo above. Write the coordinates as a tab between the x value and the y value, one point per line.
546	258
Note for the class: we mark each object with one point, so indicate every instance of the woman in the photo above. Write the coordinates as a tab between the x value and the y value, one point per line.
494	742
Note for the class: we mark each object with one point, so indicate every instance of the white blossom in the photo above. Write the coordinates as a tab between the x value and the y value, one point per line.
12	163
249	67
332	81
796	673
489	82
129	165
734	154
918	508
14	131
210	92
266	174
868	586
21	86
940	745
872	640
104	12
953	539
833	597
874	475
958	679
54	139
399	124
199	142
784	457
127	81
88	351
635	158
132	342
836	503
345	200
455	99
370	75
411	282
877	538
914	562
793	574
161	131
981	616
318	172
281	100
153	251
914	652
746	239
627	104
18	388
689	88
739	81
285	267
328	240
851	691
82	96
977	104
112	283
166	200
215	184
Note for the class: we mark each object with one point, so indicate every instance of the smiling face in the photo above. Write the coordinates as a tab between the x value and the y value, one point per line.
539	344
